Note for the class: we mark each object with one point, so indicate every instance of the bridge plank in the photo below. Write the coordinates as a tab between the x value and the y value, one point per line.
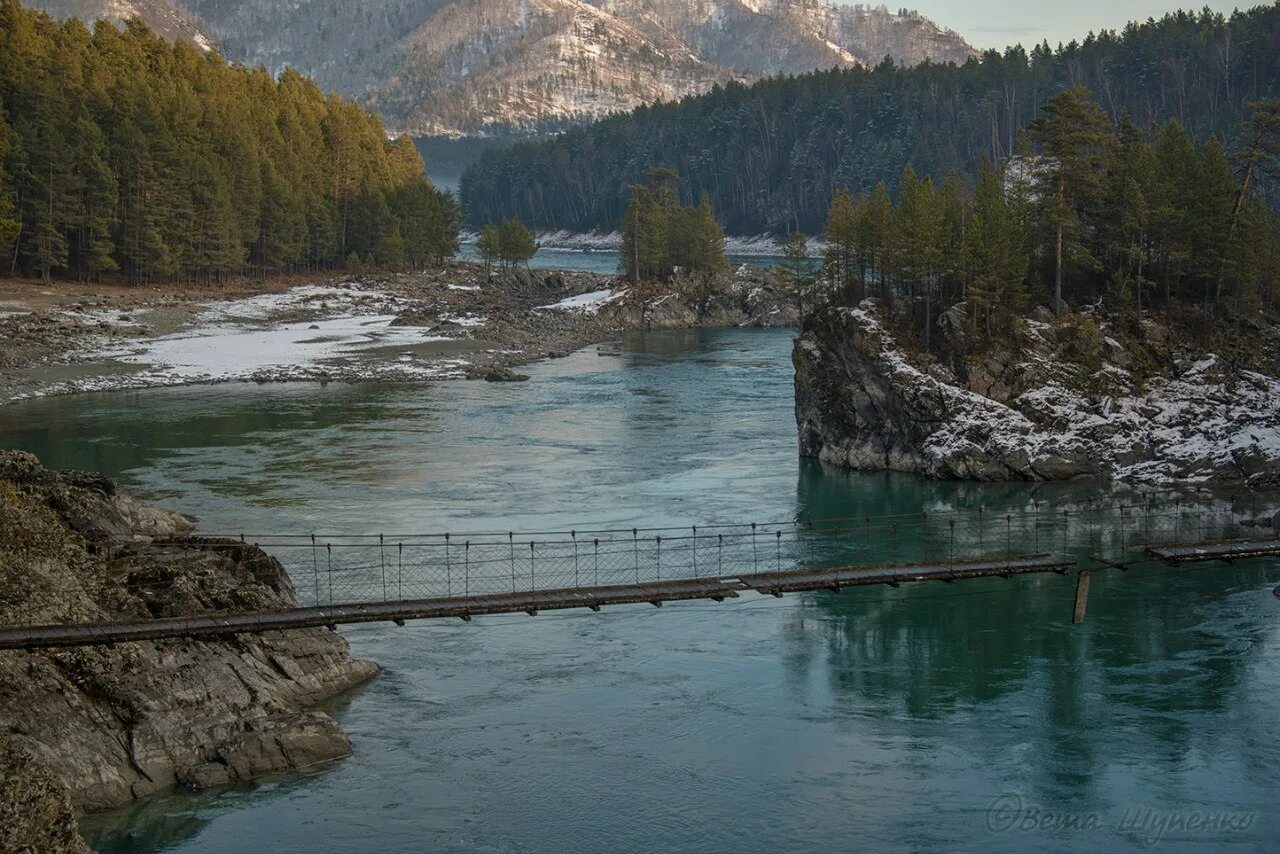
1227	550
853	576
716	588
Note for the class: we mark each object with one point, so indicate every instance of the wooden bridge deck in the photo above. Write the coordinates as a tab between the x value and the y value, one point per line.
1224	550
530	602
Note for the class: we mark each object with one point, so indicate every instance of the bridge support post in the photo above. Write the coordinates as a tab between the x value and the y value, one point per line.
1082	596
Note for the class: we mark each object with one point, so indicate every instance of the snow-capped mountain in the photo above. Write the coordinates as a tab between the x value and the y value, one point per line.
463	67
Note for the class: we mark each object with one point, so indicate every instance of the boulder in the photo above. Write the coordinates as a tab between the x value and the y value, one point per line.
494	374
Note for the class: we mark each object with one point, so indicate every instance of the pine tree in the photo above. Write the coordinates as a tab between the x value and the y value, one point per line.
953	214
9	226
282	224
1262	147
488	245
843	253
216	248
1213	210
48	188
706	255
916	245
516	244
1074	135
996	260
96	205
873	226
645	226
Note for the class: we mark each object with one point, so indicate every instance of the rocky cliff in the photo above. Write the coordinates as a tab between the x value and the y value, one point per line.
94	727
1062	399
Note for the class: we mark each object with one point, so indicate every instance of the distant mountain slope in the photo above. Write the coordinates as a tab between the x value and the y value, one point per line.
459	67
342	45
479	66
479	63
167	18
771	154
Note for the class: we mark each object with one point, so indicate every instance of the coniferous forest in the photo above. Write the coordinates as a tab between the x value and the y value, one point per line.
125	154
1139	219
771	156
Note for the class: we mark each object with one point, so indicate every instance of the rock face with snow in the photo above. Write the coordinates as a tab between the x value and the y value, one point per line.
1030	412
470	67
95	727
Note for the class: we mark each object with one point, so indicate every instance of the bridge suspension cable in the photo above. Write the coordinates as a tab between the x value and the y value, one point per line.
336	579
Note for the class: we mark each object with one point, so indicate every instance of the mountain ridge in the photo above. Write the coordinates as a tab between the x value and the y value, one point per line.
484	67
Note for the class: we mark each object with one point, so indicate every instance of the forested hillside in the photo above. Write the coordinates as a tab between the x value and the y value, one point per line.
123	152
1127	220
771	155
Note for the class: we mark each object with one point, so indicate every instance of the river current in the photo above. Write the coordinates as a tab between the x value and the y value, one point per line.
968	716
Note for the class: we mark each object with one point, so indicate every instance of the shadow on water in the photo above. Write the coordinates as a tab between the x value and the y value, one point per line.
1164	654
120	432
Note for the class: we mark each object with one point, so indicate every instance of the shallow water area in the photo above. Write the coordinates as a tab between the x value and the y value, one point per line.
878	718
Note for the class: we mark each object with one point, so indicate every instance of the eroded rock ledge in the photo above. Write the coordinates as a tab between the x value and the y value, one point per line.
1028	412
91	728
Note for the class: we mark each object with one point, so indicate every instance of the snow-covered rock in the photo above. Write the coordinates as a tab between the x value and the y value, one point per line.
862	403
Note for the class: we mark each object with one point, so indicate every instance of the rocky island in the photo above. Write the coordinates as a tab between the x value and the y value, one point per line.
1060	398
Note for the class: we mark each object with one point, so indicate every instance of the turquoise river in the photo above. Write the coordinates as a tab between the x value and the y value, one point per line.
960	717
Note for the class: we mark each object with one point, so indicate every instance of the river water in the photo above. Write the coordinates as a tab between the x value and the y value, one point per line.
603	261
878	719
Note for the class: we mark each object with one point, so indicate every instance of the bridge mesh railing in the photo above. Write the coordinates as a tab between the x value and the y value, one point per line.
330	570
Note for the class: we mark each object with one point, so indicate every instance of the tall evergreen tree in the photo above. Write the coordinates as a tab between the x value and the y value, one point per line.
995	254
843	256
9	226
1075	137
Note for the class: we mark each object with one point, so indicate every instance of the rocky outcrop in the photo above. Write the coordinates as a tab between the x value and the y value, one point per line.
751	296
36	814
110	724
1031	412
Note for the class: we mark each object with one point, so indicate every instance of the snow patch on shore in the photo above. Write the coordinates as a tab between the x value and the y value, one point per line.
765	245
588	303
222	352
327	298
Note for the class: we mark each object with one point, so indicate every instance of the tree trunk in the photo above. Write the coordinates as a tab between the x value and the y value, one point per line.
1057	274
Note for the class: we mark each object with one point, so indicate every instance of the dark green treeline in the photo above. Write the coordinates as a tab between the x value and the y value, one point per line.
1132	218
771	155
660	236
125	153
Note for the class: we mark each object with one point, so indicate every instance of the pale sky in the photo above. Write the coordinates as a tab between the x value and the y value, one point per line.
999	23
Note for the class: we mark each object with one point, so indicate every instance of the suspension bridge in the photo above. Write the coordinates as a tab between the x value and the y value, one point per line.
383	578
